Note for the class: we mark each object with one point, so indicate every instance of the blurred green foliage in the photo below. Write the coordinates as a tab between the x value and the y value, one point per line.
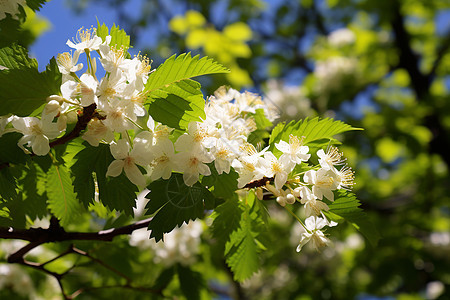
380	65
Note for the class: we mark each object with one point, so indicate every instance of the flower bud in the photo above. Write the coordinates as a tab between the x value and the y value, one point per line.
290	199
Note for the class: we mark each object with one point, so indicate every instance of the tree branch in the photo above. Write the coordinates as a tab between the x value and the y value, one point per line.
55	233
421	84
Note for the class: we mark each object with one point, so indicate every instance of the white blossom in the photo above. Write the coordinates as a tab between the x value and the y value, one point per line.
323	181
314	225
127	160
280	168
295	151
36	134
163	161
192	163
86	39
67	63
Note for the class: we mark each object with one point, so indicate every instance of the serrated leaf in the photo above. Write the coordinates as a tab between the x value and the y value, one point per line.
35	4
16	57
24	90
174	204
178	68
32	191
227	217
191	282
62	200
224	185
178	104
102	30
114	192
242	249
119	38
7	185
9	151
261	120
311	129
346	206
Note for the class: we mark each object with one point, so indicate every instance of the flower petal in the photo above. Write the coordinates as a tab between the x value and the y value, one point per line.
115	168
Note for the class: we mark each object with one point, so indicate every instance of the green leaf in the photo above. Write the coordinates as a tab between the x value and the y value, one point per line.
7	185
119	37
62	200
164	278
24	90
9	151
35	4
114	192
191	282
311	129
261	120
174	204
176	69
242	248
178	104
227	217
346	206
224	185
16	57
102	30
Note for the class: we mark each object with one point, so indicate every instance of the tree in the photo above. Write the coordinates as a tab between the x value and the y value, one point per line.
391	56
80	141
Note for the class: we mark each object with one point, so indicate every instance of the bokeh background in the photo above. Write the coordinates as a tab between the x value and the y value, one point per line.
380	65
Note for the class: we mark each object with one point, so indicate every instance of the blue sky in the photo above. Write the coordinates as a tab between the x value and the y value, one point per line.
64	26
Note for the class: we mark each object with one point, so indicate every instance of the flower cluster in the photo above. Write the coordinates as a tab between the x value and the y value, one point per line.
219	141
310	188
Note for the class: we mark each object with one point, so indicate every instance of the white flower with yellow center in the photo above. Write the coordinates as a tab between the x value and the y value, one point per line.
199	136
83	92
247	164
118	115
67	63
331	158
248	102
36	134
86	40
113	59
323	181
163	161
112	86
97	131
314	225
279	168
295	150
313	206
223	155
347	177
140	67
192	163
126	160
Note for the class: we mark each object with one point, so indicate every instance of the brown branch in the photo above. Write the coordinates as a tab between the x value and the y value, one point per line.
443	49
55	233
258	183
84	117
421	84
83	120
